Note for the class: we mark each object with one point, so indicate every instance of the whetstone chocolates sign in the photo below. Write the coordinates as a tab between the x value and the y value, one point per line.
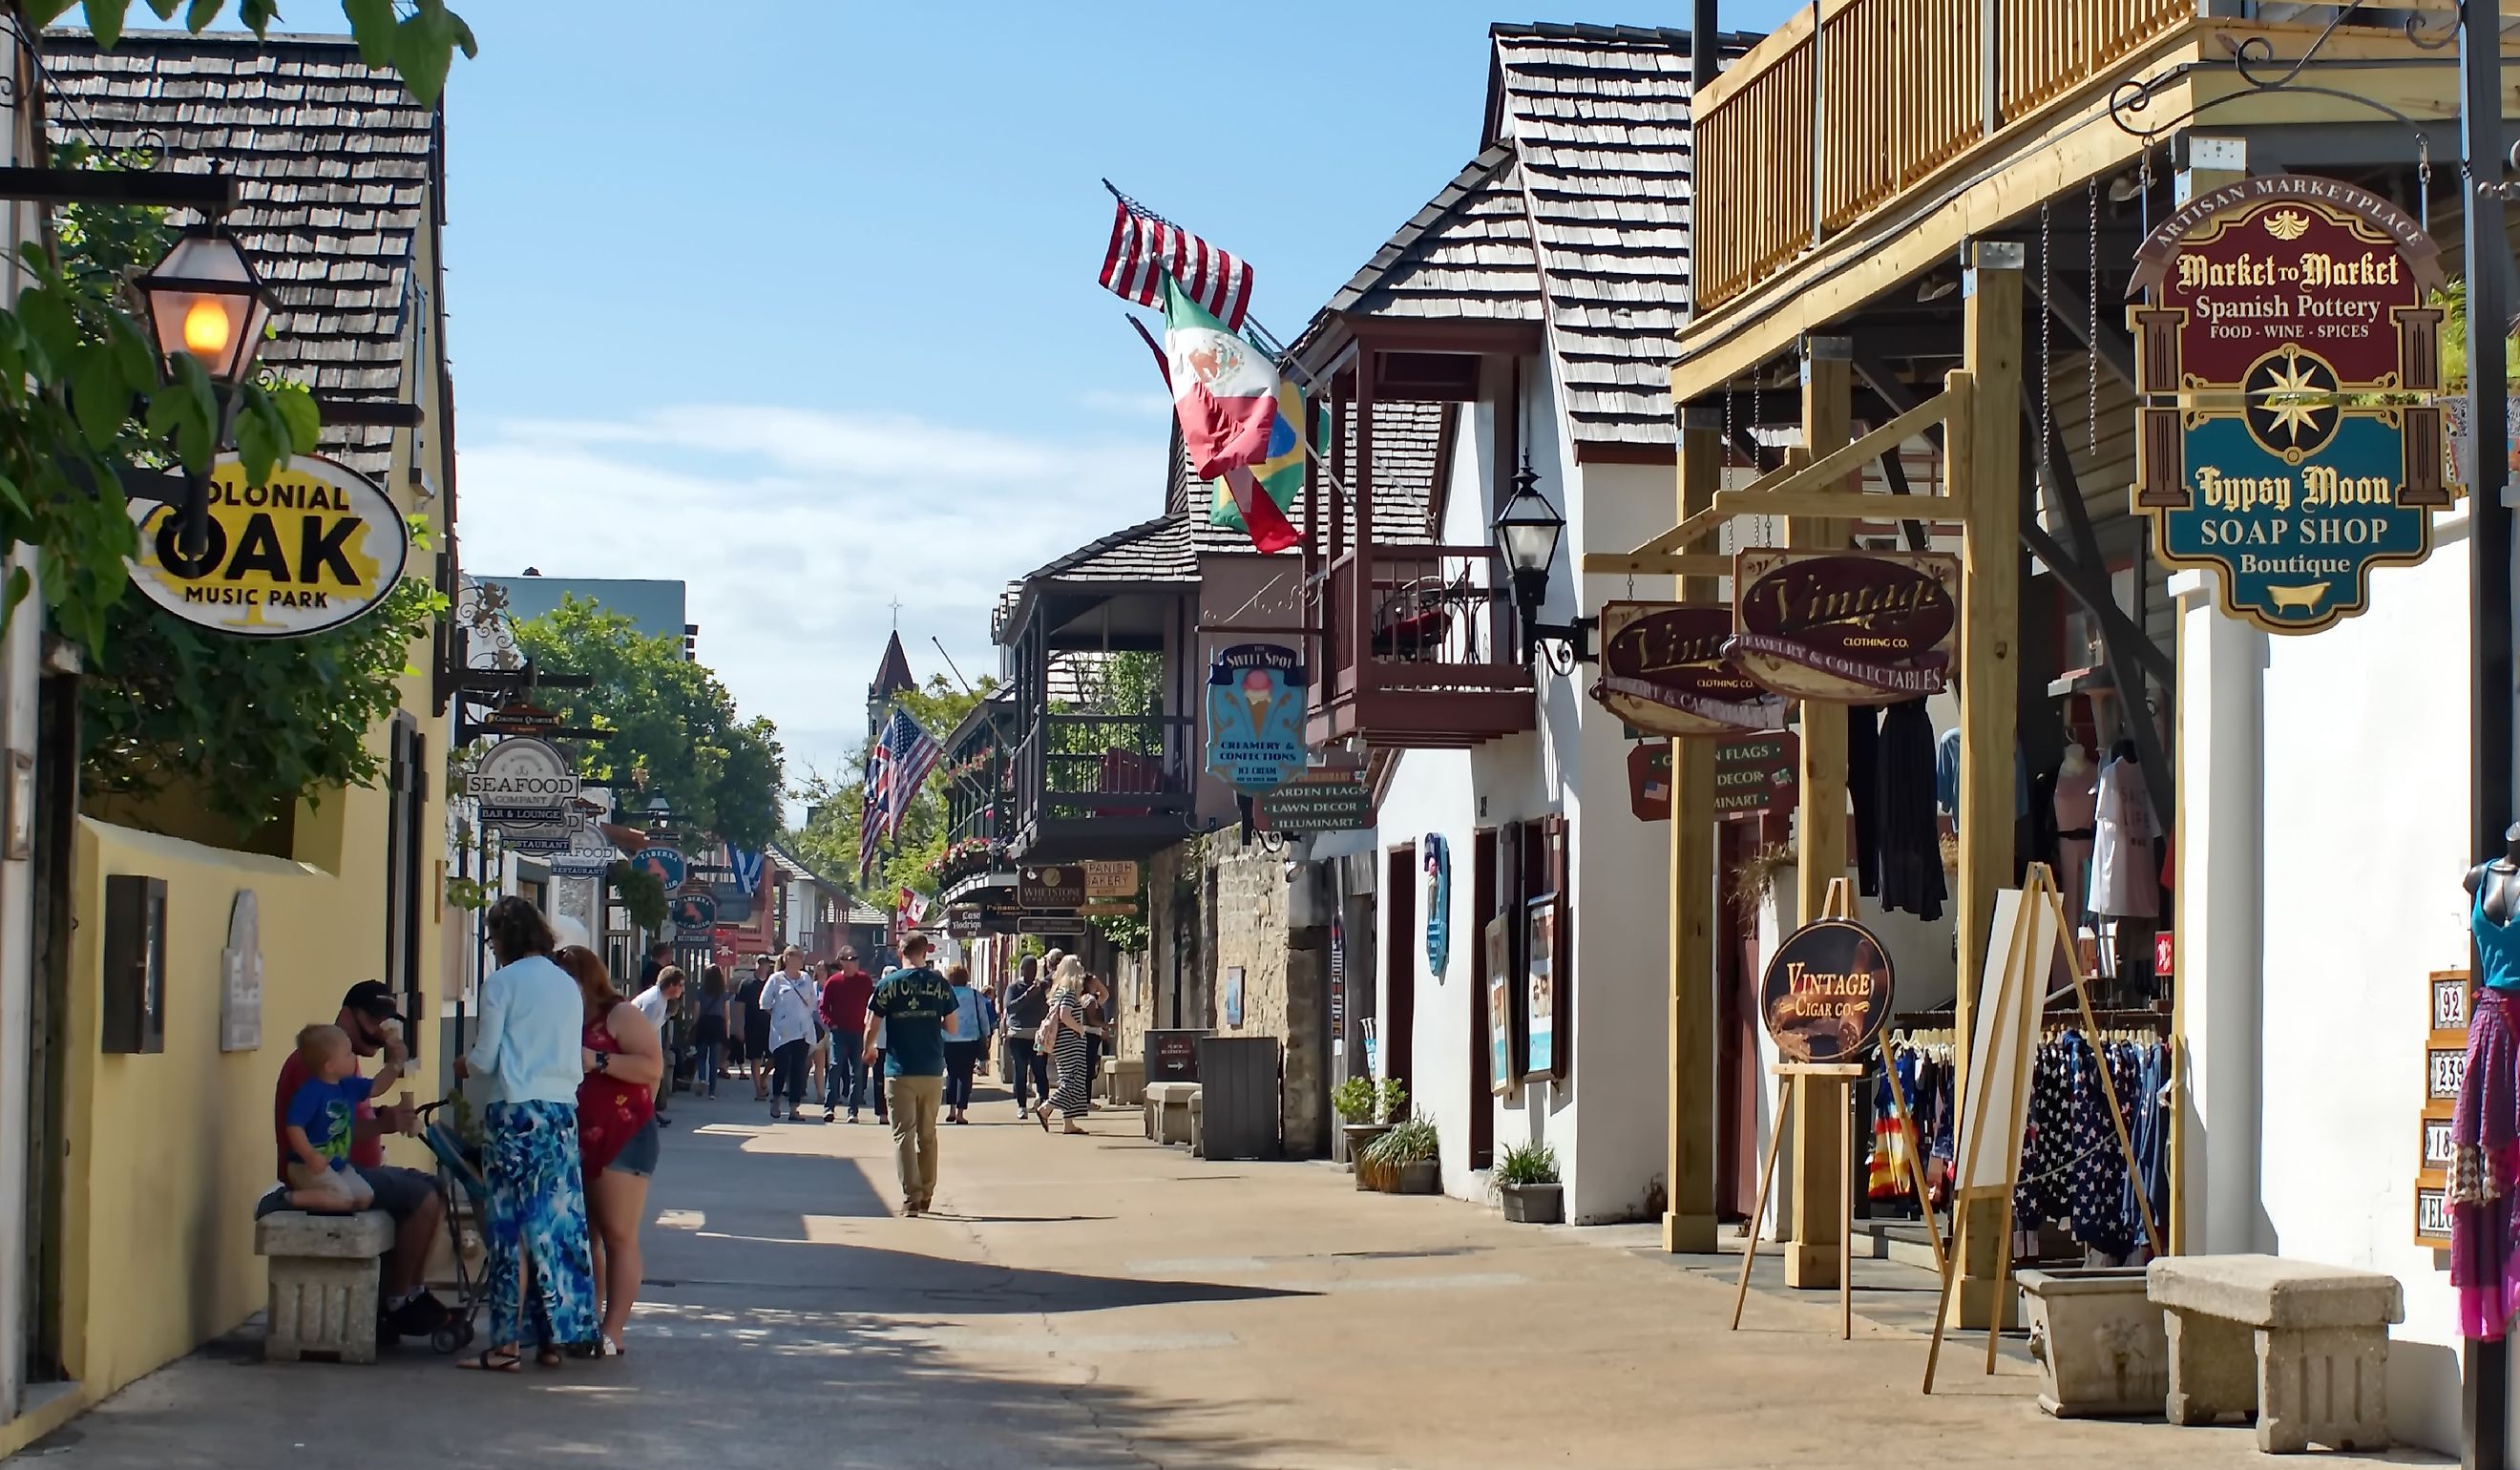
1664	670
1853	627
2283	439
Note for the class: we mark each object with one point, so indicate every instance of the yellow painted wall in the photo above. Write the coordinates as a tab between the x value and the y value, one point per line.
168	1151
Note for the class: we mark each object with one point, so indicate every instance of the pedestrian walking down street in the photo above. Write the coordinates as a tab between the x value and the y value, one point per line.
658	1002
973	1018
1066	1024
757	1026
1097	1002
845	994
917	1010
709	1031
618	1133
1027	1006
788	1004
529	1048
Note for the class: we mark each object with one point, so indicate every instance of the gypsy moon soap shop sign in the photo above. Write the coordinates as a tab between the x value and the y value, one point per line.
2282	439
314	548
1256	698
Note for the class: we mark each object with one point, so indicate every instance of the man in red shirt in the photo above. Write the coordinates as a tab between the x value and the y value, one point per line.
408	1195
846	989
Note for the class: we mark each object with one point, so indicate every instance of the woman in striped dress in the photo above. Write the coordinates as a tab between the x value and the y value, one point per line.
1070	1049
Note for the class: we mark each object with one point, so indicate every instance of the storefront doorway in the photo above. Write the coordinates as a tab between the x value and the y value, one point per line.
1483	903
1399	1030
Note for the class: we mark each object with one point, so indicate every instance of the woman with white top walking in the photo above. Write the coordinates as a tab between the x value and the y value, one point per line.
788	999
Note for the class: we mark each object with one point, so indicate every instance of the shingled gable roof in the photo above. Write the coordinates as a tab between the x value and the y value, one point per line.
1579	199
333	163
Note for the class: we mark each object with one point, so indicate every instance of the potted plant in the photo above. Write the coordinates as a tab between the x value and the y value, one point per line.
1366	1111
1404	1161
1526	1179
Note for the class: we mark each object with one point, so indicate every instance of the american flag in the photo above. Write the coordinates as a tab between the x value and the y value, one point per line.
1146	246
896	765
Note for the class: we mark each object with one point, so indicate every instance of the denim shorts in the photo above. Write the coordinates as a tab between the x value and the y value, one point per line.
639	1155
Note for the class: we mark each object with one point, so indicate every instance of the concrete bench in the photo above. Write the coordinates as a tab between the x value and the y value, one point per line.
1124	1081
323	1272
1167	1110
2304	1346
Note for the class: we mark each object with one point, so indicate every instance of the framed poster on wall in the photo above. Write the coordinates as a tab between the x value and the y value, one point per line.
1504	1076
1540	983
1234	995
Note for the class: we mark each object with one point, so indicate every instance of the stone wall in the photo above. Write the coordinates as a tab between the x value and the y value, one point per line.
1284	956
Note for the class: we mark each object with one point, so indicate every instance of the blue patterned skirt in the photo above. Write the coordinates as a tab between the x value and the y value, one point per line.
538	1223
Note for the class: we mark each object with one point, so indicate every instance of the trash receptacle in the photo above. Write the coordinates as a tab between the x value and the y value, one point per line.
1238	1078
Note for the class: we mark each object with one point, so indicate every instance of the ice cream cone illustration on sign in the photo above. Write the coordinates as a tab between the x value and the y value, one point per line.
1255	716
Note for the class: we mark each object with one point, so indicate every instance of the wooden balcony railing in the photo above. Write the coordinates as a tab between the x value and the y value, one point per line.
1077	768
1437	617
1853	101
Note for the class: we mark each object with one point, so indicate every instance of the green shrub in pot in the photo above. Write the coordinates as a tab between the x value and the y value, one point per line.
1525	1163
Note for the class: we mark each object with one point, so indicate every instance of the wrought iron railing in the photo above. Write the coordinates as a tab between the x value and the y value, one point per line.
1073	767
1434	618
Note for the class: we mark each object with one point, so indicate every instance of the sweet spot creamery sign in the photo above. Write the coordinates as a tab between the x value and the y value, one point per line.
315	548
2285	356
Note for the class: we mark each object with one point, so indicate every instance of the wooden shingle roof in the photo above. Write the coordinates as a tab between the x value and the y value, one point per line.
1467	255
333	163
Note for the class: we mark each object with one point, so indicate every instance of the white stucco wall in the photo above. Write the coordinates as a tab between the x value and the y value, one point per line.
2348	898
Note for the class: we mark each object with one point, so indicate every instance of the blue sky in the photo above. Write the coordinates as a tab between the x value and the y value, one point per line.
799	305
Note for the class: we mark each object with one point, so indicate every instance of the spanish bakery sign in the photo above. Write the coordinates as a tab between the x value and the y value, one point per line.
2283	352
1851	627
314	547
1664	670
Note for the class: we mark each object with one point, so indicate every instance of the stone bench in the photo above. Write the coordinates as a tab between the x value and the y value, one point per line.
2304	1346
1197	1134
323	1272
1124	1081
1167	1109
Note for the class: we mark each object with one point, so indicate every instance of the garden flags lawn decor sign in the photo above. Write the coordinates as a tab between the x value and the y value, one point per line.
1146	247
895	767
1256	698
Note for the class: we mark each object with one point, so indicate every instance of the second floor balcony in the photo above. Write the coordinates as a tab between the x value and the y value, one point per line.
1418	648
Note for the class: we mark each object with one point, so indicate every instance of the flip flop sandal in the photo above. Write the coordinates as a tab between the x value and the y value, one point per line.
493	1361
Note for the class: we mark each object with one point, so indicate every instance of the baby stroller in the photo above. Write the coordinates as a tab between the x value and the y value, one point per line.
459	1168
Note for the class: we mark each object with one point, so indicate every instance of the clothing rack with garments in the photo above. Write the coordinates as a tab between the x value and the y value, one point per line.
2072	1172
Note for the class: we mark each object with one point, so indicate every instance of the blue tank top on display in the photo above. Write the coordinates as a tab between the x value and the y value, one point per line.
2498	945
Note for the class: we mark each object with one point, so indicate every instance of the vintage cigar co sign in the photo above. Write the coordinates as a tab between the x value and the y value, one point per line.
1853	627
1825	997
2280	439
1664	670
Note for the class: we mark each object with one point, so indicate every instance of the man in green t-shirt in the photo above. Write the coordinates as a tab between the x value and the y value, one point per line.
917	1011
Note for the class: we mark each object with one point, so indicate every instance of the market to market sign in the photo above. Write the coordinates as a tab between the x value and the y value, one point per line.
314	548
2285	356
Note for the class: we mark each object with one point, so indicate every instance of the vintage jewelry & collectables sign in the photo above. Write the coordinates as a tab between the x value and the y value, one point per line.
1850	627
2285	355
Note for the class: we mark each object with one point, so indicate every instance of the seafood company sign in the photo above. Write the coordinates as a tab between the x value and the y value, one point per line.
2284	356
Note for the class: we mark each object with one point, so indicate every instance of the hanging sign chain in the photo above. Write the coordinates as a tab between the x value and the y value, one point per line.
2046	337
2091	341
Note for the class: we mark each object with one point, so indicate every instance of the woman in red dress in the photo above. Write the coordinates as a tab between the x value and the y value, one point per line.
616	1132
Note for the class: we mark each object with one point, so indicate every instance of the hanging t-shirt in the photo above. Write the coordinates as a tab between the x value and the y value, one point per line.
2125	881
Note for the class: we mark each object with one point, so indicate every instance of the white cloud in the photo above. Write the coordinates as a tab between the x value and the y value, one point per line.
794	530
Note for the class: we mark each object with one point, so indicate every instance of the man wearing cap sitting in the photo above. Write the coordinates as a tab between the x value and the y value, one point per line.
373	1024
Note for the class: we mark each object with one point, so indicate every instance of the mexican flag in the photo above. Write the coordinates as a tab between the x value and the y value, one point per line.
1255	500
1226	395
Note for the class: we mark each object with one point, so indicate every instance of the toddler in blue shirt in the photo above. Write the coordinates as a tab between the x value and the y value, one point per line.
321	1114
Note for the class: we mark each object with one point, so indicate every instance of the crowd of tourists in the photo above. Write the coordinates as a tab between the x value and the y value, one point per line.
573	1076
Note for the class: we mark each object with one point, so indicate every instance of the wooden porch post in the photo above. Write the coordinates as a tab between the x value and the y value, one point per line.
1688	1143
1989	670
1819	1180
1360	612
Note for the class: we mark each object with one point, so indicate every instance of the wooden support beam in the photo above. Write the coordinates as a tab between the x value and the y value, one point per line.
1689	1223
1658	564
1896	474
1808	488
209	193
1986	467
1820	838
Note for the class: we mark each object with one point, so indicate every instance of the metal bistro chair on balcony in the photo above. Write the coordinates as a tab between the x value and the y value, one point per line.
1414	622
1127	771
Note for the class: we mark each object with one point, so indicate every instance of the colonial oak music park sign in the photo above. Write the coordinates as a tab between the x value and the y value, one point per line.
2283	439
315	547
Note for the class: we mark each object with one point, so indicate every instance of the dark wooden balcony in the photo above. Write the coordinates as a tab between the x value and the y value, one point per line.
1417	649
977	777
1103	786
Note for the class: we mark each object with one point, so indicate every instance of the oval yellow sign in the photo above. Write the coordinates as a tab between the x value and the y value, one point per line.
312	549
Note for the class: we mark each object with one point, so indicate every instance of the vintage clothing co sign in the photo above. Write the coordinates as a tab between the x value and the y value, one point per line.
1825	997
314	548
1850	627
2286	312
1664	670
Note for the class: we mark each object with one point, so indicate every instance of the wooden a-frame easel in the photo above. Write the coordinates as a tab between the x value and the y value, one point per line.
2012	1003
1843	1075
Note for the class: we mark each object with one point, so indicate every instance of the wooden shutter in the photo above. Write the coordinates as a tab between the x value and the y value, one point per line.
1561	875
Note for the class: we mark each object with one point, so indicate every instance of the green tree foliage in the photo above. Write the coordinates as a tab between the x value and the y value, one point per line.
675	733
829	841
417	39
643	895
244	726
